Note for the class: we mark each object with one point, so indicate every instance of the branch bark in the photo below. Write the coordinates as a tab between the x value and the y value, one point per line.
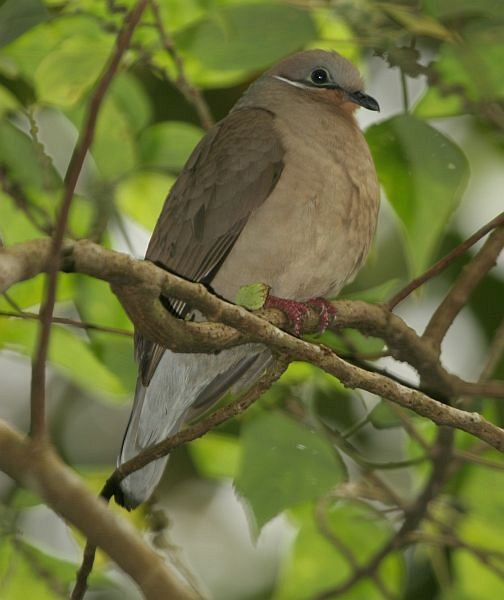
140	284
34	465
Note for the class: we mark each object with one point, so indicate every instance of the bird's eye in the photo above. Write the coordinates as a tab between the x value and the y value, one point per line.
319	76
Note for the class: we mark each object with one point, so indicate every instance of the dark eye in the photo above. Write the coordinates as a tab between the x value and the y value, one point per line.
319	76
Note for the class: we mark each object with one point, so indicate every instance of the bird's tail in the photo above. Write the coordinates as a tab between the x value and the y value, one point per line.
183	386
138	487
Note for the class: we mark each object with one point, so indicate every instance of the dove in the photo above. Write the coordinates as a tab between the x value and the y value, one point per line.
282	191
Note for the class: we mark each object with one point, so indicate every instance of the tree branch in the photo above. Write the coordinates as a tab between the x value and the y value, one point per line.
73	172
444	262
458	296
191	93
35	465
166	446
139	284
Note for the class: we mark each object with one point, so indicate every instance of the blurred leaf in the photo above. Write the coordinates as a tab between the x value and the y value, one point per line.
373	295
67	73
131	100
114	146
284	464
334	34
351	340
424	175
167	146
216	455
434	105
97	304
415	22
8	101
18	16
474	67
228	38
28	294
23	56
19	155
458	8
141	196
69	354
315	564
18	578
382	417
252	296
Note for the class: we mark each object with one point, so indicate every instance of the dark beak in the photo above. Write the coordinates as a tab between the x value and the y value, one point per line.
364	100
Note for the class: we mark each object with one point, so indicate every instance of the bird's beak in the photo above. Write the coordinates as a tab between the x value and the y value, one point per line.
363	100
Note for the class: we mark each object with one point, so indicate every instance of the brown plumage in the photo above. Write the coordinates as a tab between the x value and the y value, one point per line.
282	191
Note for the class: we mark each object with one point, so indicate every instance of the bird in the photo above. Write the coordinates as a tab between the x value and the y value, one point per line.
283	191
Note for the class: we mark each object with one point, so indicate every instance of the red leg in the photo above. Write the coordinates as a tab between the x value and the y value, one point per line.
295	311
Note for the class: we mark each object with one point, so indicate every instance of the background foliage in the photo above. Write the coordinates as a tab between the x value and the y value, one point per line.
299	451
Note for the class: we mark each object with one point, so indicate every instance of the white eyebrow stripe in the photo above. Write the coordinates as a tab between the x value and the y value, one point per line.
297	84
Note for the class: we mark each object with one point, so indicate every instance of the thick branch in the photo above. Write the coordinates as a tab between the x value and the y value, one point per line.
36	466
139	285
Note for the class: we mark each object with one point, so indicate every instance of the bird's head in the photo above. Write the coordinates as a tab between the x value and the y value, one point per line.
327	76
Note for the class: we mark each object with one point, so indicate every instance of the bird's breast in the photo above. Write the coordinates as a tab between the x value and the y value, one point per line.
312	233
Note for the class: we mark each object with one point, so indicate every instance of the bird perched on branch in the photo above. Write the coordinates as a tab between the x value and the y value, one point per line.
283	191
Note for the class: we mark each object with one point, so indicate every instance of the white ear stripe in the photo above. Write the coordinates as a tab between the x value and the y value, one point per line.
297	84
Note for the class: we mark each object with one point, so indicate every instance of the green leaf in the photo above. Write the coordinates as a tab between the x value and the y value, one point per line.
67	73
382	417
416	22
474	66
315	564
97	304
131	100
216	455
8	101
18	153
334	33
18	16
252	296
69	353
435	105
141	196
114	148
375	294
246	37
424	175
167	145
284	464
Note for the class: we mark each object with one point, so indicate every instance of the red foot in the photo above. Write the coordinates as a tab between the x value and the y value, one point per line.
296	311
327	312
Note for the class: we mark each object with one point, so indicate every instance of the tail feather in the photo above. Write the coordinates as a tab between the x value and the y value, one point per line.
159	409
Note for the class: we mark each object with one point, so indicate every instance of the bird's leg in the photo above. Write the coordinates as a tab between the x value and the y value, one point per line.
327	312
296	311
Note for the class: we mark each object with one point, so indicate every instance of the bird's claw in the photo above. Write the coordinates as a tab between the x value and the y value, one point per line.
296	312
327	312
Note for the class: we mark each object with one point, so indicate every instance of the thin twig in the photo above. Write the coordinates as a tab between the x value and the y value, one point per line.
444	262
20	200
163	448
191	93
458	296
413	517
326	530
76	162
66	321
